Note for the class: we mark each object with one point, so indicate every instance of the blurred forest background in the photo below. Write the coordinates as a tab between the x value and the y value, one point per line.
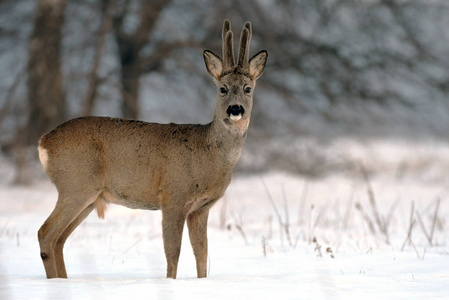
366	69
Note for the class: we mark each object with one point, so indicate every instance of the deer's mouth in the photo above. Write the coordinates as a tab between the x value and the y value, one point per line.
235	112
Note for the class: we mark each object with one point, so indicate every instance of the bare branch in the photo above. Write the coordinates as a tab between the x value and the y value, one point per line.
94	81
149	15
153	61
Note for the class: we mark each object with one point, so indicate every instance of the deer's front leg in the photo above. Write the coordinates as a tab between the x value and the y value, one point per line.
173	221
197	224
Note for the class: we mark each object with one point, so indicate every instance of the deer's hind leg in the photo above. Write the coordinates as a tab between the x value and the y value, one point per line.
67	211
59	256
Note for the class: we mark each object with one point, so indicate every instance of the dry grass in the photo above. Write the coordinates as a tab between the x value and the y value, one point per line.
326	227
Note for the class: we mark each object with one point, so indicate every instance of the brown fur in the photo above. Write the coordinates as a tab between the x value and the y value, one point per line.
181	170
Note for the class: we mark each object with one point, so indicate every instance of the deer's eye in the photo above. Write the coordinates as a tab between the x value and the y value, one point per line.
223	90
247	90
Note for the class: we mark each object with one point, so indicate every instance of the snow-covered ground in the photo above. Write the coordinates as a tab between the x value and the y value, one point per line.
273	236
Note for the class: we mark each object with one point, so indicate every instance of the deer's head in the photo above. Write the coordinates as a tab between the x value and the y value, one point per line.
235	83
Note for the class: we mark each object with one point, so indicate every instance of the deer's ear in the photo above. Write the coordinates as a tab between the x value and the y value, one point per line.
214	64
257	64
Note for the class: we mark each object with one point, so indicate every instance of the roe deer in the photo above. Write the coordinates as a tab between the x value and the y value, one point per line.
180	169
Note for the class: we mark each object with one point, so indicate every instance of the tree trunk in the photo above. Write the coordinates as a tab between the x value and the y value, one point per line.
46	98
45	80
129	77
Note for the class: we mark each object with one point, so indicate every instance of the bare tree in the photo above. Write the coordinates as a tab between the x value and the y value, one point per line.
130	46
46	97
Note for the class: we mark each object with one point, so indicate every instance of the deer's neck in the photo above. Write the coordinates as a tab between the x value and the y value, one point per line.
229	139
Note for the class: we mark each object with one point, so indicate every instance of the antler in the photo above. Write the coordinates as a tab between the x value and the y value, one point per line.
228	47
245	37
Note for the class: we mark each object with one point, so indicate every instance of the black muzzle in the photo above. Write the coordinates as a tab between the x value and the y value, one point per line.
235	110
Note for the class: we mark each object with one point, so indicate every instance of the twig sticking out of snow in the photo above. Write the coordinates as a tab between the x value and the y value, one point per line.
410	228
238	225
365	216
429	235
318	249
434	219
381	223
284	225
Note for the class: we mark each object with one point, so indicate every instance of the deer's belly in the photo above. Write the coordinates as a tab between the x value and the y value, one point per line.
131	201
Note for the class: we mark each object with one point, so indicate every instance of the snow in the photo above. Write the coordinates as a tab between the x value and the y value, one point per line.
328	253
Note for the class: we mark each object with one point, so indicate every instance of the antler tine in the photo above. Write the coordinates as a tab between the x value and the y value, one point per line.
248	26
228	46
226	28
245	38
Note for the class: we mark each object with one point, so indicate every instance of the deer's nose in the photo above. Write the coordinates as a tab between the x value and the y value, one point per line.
235	112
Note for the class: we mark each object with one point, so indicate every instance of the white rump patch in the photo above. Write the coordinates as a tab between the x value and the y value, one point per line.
235	118
43	157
